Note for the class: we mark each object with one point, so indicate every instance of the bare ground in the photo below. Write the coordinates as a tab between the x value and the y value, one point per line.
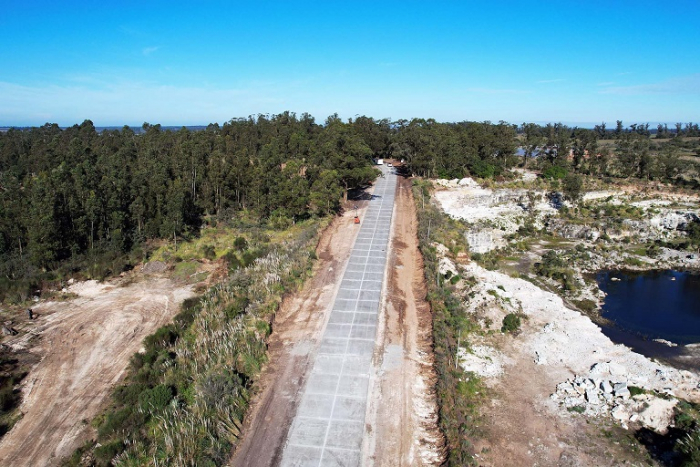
84	346
297	331
402	403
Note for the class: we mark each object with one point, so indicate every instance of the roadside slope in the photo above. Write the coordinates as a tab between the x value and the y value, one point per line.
85	346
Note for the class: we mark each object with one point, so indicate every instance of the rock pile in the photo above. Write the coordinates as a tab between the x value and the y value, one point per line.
606	391
591	396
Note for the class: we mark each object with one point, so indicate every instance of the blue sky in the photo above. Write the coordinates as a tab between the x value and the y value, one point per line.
195	63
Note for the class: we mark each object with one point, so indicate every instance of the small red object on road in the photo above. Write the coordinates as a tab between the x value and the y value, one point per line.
357	220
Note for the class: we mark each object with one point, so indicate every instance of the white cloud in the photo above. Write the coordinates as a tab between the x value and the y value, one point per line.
496	91
149	50
678	85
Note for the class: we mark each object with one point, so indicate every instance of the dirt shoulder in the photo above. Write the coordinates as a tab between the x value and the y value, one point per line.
296	333
84	345
402	404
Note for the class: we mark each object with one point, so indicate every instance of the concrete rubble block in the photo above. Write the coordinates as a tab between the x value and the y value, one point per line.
565	387
606	387
600	369
616	369
620	413
592	397
621	390
574	401
540	359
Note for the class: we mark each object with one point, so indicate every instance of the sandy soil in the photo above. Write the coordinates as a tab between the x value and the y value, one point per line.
297	331
85	345
402	404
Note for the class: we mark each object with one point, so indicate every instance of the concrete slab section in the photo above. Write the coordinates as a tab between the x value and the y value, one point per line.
329	364
366	318
355	267
351	284
328	429
349	408
320	383
372	285
372	276
353	386
334	457
345	305
370	295
363	332
302	456
341	317
345	434
360	347
339	330
316	406
348	294
356	365
354	276
356	260
309	431
332	346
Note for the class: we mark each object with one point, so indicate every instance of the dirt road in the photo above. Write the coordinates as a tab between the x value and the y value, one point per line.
85	345
297	330
403	408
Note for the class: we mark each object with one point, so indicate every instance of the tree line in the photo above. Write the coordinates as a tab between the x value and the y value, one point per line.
66	192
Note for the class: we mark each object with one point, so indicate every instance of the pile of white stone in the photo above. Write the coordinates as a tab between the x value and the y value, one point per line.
606	391
593	396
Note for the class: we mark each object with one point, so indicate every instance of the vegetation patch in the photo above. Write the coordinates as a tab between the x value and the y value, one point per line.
185	396
459	393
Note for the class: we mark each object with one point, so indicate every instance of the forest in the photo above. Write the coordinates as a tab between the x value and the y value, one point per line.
78	199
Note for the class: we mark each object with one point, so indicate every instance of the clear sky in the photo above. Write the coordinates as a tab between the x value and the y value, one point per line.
190	63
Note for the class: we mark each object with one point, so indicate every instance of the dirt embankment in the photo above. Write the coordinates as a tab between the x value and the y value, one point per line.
402	403
84	345
297	330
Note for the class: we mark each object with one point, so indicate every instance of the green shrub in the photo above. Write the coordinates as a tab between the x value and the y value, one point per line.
586	305
240	243
8	398
128	394
154	400
120	422
555	172
209	252
232	261
105	453
162	338
511	323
